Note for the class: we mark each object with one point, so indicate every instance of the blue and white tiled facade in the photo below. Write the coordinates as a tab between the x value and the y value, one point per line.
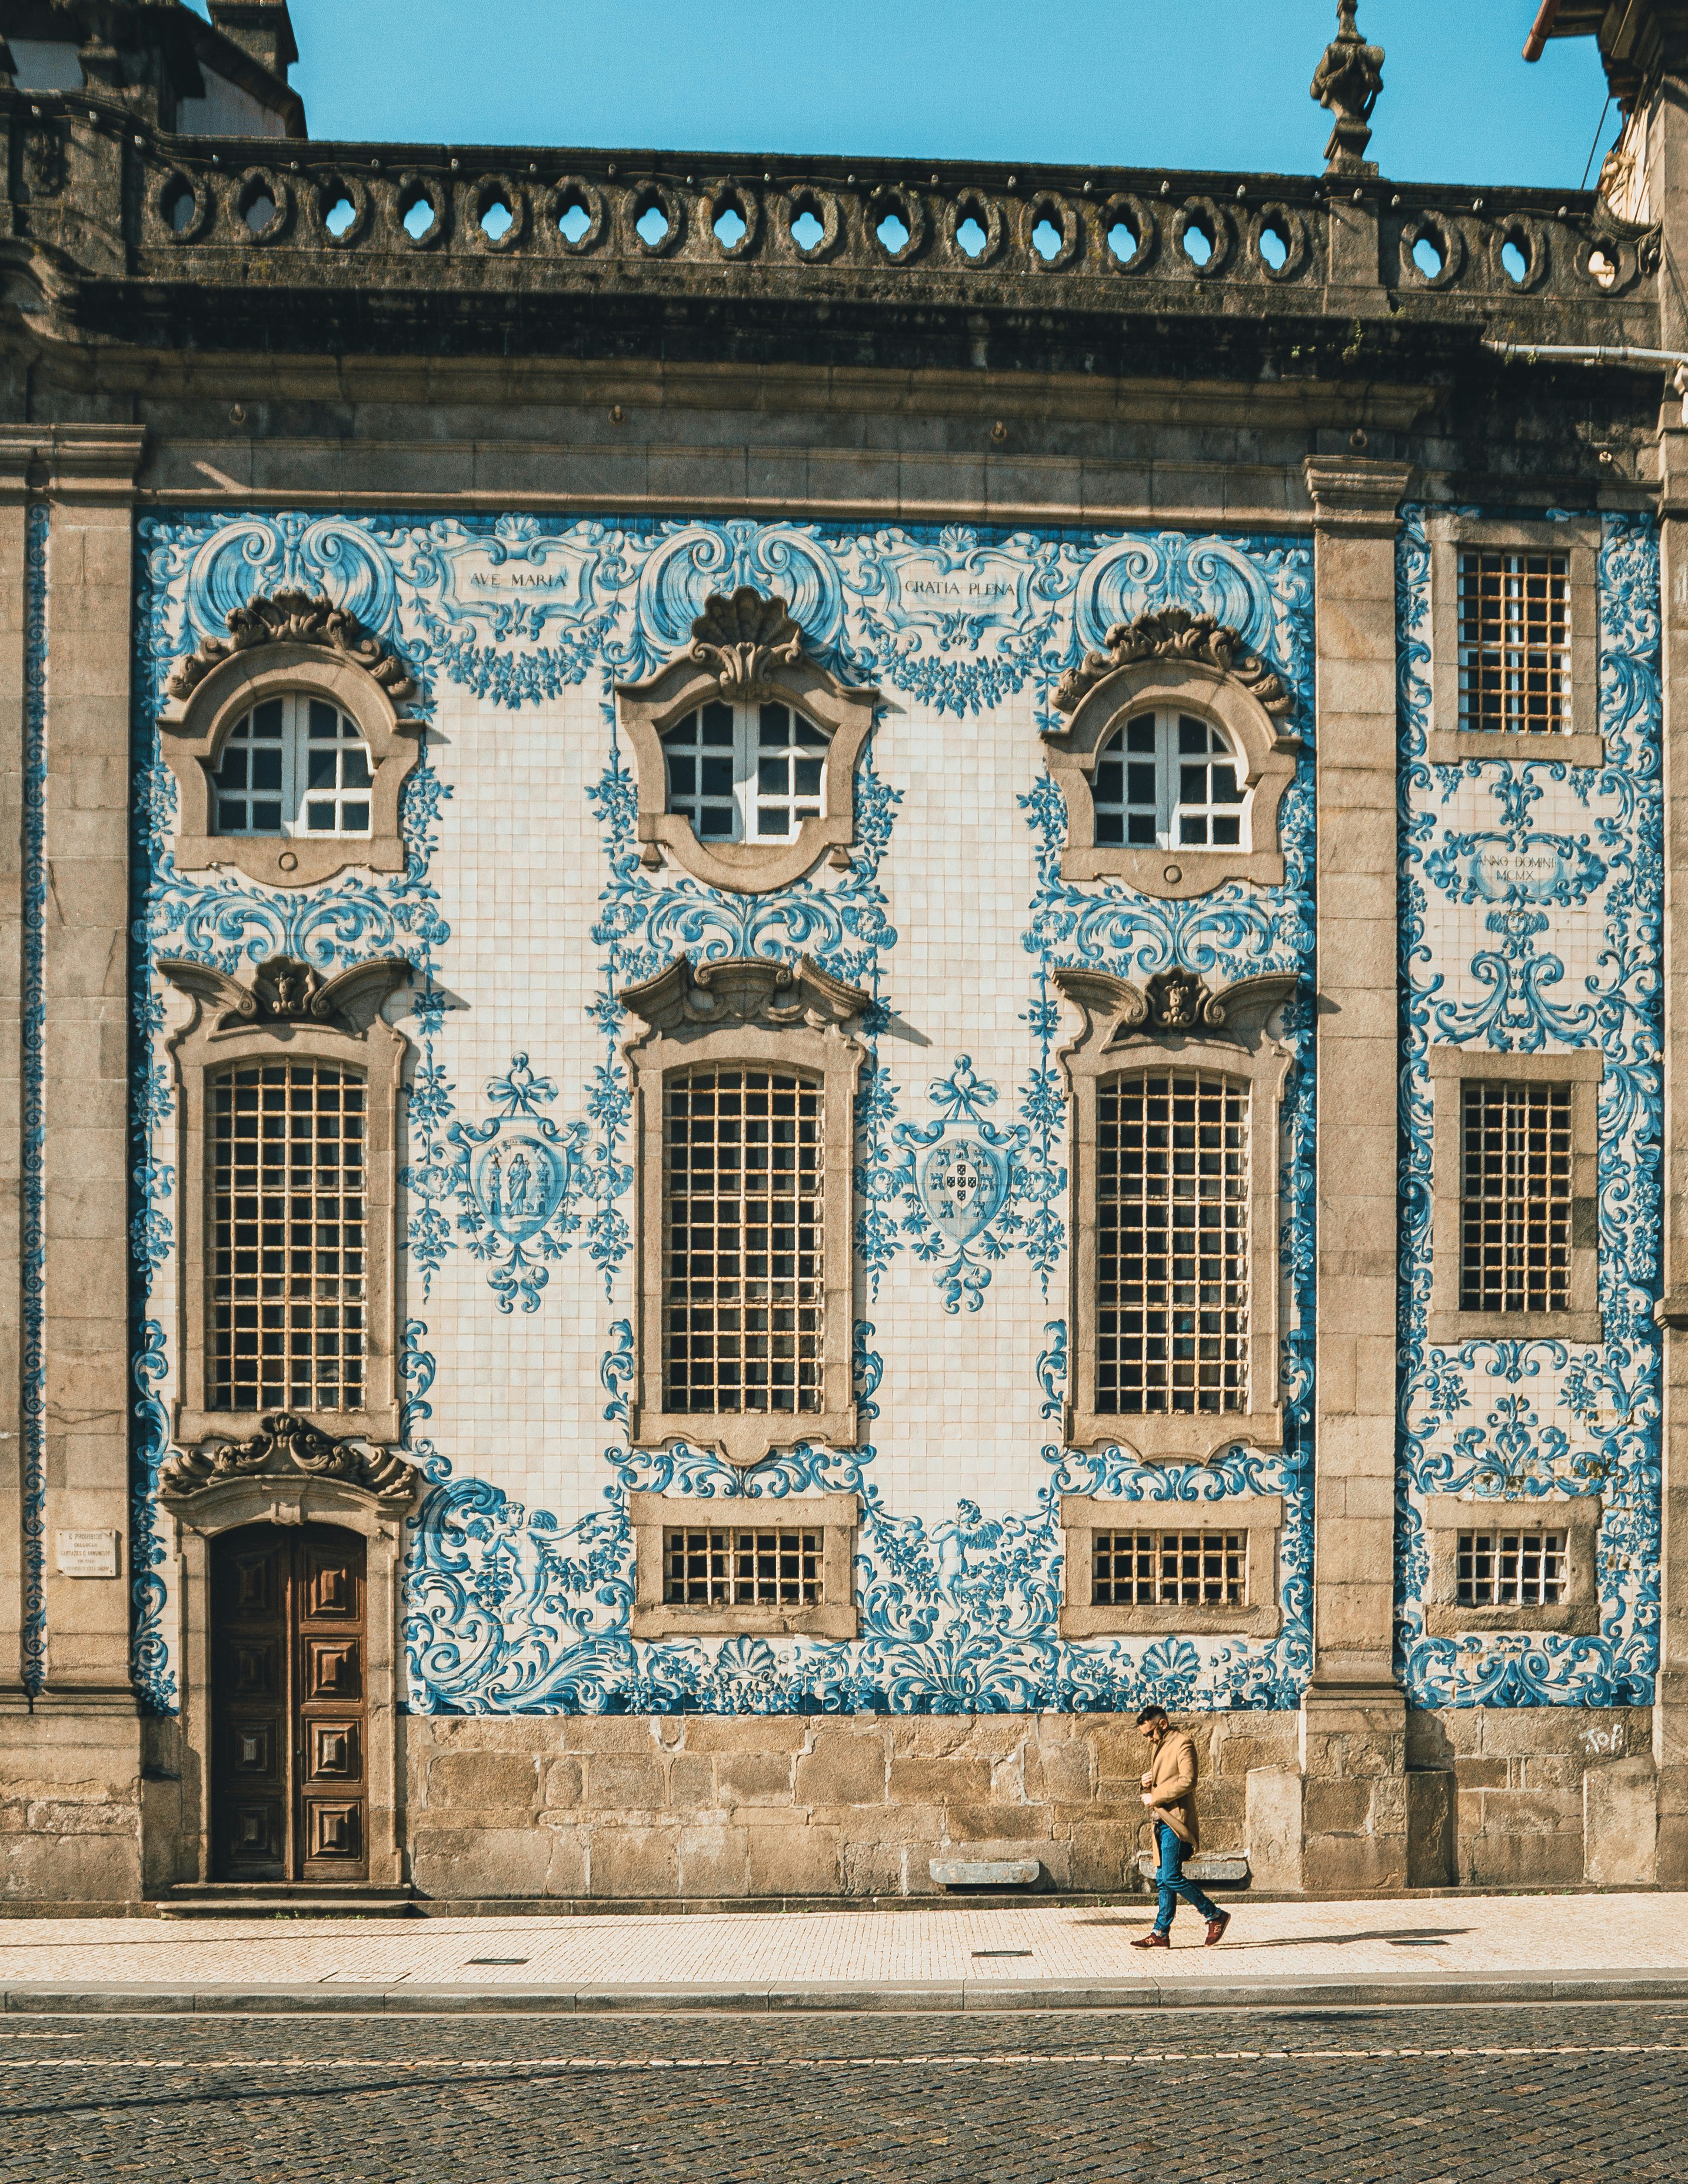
1530	920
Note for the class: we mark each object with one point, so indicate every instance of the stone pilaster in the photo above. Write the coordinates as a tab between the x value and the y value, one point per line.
85	1059
1353	1717
1670	1710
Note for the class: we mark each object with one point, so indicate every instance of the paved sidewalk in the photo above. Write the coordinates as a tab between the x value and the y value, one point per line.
1448	1948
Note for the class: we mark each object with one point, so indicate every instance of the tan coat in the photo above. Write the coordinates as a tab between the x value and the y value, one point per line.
1173	1786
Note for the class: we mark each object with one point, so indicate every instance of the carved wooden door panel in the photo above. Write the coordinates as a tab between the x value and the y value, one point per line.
289	1797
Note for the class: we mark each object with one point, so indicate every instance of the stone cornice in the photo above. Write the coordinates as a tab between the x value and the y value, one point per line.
1349	492
78	463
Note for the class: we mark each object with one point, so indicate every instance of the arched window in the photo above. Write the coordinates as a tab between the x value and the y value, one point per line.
1170	780
293	765
745	771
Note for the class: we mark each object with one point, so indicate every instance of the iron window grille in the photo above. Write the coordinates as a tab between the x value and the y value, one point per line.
745	771
288	1270
744	1223
1514	640
1510	1569
294	765
1172	1242
1178	1570
1169	781
1515	1251
734	1568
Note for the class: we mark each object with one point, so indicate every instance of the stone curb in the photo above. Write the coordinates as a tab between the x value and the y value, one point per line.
1265	1992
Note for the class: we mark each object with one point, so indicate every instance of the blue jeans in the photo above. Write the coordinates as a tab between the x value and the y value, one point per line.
1172	1883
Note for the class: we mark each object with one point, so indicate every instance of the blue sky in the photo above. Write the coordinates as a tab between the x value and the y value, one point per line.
1179	83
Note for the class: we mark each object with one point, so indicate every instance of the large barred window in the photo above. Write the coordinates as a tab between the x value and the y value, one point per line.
1185	1569
1515	1229
1516	1245
1514	641
730	1566
287	1291
745	1217
1173	1220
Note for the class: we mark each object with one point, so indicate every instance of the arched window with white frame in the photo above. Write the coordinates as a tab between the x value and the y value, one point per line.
745	771
295	764
1169	780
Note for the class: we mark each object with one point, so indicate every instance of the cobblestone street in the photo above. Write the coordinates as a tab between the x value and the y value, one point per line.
1450	2095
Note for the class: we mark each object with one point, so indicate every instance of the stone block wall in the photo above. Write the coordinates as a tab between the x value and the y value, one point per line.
708	1806
71	1813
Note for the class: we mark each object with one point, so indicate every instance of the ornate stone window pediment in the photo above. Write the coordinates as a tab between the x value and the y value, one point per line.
745	751
1174	696
289	1453
297	687
1175	1089
286	1075
744	1085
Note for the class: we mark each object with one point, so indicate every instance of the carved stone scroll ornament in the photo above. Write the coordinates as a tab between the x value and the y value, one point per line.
1347	81
1174	1003
291	617
1175	634
739	638
744	990
286	1447
285	992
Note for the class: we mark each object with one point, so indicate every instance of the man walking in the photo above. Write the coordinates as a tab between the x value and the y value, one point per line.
1169	1791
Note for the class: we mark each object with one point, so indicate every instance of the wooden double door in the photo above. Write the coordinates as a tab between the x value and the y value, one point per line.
290	1787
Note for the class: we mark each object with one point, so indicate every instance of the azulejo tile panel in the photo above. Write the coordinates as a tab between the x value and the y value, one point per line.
1531	909
525	907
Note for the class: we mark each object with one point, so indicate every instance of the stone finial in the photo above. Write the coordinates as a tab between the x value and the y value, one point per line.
1348	80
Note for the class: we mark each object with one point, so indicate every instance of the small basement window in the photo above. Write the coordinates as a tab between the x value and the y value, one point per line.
1169	781
1170	1569
1510	1569
730	1568
746	773
293	765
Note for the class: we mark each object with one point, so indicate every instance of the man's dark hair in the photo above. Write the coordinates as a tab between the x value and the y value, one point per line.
1151	1714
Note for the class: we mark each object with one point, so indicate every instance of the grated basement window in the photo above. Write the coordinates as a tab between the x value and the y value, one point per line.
744	1222
1160	1569
746	773
1169	781
1514	641
1171	1243
731	1569
288	1293
294	765
1515	1250
1510	1569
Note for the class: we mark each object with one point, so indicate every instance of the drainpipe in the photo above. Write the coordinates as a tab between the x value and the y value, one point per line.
1632	360
1546	15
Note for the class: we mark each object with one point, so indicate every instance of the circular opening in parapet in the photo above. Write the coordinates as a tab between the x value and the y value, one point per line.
573	216
416	213
1125	240
808	228
1515	256
1047	238
1197	240
730	226
1275	243
260	210
339	215
1602	268
178	206
1429	255
652	225
969	237
892	232
497	218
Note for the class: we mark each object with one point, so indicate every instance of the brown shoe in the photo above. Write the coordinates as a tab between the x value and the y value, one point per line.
1154	1939
1215	1929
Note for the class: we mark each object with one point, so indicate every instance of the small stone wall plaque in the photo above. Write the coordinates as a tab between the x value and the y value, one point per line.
88	1554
